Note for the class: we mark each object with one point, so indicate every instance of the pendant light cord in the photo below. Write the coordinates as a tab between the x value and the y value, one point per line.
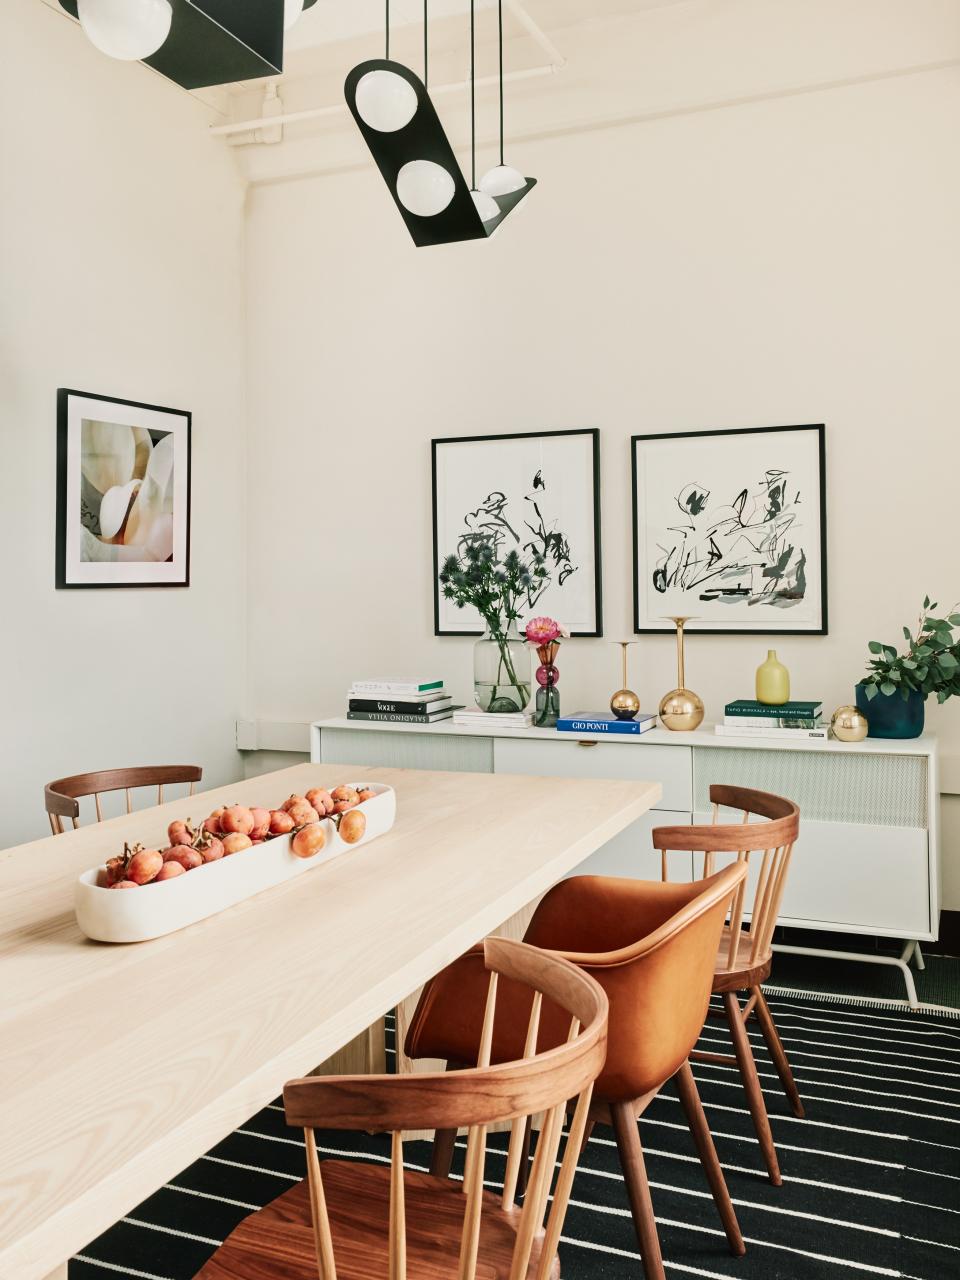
500	10
387	24
473	95
426	44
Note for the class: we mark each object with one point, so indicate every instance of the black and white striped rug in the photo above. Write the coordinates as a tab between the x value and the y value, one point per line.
871	1177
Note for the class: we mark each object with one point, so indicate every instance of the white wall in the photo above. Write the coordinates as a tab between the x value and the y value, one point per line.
120	242
782	261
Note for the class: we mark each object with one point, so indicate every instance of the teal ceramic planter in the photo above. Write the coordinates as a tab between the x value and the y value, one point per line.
891	716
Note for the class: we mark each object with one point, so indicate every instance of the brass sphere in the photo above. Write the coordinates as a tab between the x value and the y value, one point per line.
681	710
625	704
849	724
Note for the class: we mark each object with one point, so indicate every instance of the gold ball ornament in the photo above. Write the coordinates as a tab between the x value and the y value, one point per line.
681	710
849	724
625	704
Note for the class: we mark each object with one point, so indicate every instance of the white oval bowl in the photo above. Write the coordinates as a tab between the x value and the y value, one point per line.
127	915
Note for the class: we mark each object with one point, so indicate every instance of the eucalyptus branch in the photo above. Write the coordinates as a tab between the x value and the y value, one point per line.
930	665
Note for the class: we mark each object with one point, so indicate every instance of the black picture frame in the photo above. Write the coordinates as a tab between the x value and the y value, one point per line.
61	580
594	434
819	429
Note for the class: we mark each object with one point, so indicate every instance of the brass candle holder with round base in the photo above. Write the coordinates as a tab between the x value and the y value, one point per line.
682	709
624	704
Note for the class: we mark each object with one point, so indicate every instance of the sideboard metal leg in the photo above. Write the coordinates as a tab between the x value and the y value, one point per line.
918	956
904	963
901	962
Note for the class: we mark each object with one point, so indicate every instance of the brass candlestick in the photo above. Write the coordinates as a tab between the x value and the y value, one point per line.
682	709
624	704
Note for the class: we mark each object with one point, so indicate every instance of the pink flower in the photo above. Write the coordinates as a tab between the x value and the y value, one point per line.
542	630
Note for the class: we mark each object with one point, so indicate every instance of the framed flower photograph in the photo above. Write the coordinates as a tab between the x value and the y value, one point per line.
536	494
730	530
123	493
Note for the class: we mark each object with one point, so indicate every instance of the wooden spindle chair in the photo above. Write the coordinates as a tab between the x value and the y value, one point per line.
767	831
352	1221
62	797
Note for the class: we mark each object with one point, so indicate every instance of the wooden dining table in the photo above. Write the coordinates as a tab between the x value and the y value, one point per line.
121	1065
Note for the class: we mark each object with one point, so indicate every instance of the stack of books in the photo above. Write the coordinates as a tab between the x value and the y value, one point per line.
474	718
401	701
792	720
591	723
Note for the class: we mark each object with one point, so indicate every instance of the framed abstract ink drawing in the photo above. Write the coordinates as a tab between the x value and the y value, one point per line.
729	530
123	493
535	494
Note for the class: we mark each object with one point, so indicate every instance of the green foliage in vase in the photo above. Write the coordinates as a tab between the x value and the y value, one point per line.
930	665
499	589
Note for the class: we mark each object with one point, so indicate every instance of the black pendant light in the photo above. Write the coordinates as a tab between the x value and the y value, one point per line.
395	114
195	43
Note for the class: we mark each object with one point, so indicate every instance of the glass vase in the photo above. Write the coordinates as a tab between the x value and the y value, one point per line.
548	696
548	707
501	670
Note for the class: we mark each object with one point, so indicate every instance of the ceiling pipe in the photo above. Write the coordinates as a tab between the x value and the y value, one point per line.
556	63
536	32
318	113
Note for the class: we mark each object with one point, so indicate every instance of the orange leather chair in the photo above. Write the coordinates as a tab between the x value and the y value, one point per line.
652	947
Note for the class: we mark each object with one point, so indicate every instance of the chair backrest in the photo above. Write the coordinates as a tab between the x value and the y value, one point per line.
658	976
476	1098
767	831
61	797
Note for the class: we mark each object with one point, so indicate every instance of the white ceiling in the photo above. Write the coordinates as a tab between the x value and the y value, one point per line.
334	20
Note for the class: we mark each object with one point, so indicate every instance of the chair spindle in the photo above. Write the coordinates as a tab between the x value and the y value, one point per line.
397	1246
323	1237
518	1127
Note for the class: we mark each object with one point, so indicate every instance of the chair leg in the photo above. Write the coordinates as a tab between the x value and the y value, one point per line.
441	1158
751	1083
703	1141
638	1188
587	1134
768	1029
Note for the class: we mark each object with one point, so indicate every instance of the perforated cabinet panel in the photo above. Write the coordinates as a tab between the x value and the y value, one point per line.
829	786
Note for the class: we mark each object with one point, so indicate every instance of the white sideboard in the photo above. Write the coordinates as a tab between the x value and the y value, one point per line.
867	861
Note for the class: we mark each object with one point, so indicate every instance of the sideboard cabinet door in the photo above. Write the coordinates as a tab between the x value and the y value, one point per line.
630	761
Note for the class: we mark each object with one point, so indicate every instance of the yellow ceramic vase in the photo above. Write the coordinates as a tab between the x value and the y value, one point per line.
773	681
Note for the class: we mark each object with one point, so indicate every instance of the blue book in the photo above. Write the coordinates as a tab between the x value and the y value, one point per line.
589	723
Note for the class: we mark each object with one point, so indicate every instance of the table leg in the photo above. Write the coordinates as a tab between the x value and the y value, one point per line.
363	1056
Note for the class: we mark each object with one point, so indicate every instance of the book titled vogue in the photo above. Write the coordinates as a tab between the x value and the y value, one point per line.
588	723
412	706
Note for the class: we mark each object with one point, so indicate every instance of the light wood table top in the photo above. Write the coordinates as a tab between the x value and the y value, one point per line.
120	1065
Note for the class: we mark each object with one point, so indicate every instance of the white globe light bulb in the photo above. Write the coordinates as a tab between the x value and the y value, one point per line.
292	9
385	101
425	188
504	180
487	207
126	29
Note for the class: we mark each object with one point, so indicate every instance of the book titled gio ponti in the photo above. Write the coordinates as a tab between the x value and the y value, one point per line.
590	723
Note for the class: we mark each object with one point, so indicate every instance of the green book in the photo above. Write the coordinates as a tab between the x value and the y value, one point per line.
750	707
